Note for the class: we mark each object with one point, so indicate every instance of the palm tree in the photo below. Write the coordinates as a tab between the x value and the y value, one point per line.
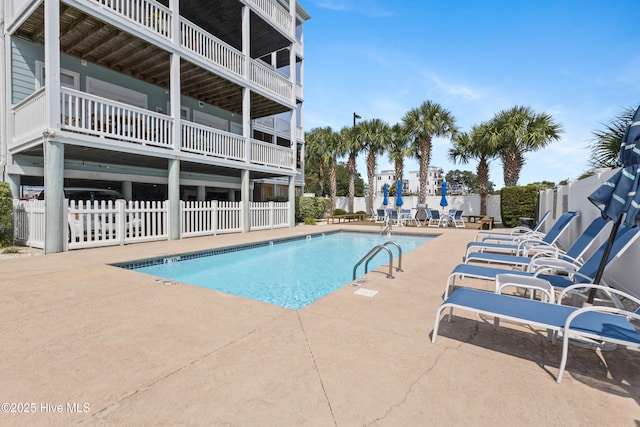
353	145
398	148
315	143
479	145
423	123
521	130
605	147
374	135
325	145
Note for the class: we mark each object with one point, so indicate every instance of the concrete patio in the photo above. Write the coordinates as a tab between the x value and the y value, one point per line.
88	343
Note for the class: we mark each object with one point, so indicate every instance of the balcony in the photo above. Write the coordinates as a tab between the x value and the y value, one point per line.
121	127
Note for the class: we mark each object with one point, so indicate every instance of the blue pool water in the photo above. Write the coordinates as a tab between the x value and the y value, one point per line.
291	274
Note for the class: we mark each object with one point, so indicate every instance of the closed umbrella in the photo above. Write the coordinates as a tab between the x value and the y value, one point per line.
399	193
619	196
385	193
443	200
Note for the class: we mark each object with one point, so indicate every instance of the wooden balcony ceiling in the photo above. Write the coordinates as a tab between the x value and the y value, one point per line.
85	37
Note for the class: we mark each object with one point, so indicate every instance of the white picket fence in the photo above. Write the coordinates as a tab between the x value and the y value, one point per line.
101	223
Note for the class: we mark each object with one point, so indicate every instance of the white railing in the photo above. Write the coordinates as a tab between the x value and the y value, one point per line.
149	14
271	80
268	215
29	111
86	113
276	13
202	43
28	222
212	217
208	141
107	223
268	154
273	124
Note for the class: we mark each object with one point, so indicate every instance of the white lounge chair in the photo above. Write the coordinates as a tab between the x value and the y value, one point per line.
603	323
515	231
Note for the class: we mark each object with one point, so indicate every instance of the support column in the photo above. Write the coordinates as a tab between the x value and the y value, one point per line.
14	184
202	193
55	222
174	198
292	201
127	189
245	196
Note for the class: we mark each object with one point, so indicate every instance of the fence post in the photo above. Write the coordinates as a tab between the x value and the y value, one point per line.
271	214
121	220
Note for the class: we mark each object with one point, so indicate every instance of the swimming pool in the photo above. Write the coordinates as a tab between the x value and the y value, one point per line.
290	273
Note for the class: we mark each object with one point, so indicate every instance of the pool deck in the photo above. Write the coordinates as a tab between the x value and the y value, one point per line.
129	350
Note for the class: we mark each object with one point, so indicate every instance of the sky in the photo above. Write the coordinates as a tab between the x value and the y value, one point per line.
577	60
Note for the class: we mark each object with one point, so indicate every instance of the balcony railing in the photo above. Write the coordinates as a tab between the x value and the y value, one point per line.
208	141
157	18
86	113
274	155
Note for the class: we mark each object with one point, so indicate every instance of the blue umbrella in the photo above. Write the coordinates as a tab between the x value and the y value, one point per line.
443	200
385	192
619	196
399	193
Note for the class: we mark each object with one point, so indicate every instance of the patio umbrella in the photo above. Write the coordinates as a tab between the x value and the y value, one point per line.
619	195
443	200
385	192
399	193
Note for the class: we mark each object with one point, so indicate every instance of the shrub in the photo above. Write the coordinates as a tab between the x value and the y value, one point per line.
339	212
310	207
310	221
517	202
11	250
6	212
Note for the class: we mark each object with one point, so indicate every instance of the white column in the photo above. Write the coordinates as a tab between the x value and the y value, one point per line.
202	193
244	194
55	223
174	198
127	189
14	184
292	201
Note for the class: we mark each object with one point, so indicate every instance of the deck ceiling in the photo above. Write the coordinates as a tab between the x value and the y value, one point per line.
87	38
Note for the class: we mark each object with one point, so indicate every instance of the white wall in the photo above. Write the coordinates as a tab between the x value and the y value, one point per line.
470	204
622	273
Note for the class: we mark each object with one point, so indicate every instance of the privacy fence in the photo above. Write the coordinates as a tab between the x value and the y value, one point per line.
106	223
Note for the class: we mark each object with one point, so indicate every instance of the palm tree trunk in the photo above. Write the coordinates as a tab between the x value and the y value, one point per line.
483	184
333	186
371	174
425	159
512	162
399	166
351	170
321	166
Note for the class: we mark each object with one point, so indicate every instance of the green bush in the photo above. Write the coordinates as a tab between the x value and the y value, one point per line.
339	212
310	221
361	212
517	202
309	207
6	212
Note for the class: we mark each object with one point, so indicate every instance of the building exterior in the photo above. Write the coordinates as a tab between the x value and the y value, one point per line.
411	184
159	99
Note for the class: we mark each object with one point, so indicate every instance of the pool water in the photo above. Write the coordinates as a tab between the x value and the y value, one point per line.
291	274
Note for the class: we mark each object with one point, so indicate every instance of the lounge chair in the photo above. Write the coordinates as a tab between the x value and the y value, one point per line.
435	219
609	324
456	218
574	254
377	215
518	246
548	268
406	217
516	230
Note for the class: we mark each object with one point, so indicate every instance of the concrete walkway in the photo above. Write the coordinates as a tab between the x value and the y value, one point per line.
88	343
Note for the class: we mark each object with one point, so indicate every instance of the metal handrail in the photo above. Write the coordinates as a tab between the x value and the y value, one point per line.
375	251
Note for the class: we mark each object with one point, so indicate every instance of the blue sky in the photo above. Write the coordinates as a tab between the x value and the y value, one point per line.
578	60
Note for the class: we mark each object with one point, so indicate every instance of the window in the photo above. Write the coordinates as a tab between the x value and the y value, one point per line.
116	93
68	78
210	120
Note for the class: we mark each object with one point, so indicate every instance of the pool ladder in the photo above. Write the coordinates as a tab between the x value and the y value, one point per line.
375	251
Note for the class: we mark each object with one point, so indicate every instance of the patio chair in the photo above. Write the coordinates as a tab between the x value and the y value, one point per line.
435	220
456	218
516	230
548	268
377	216
406	217
573	254
517	246
391	216
603	323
